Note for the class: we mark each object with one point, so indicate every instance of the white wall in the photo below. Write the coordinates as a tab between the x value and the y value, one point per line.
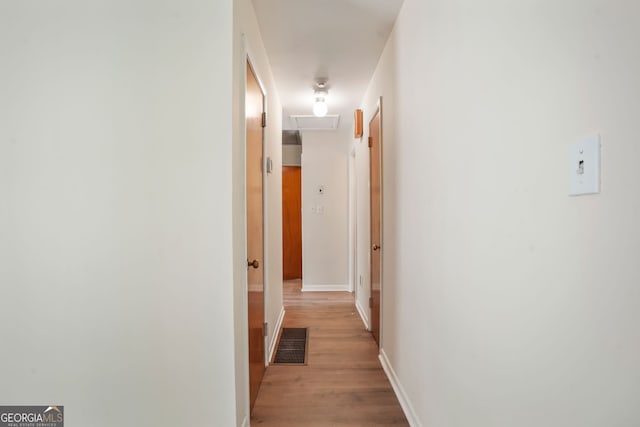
292	155
380	94
506	302
115	220
247	40
325	234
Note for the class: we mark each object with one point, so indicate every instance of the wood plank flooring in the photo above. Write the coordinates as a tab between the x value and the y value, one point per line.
343	383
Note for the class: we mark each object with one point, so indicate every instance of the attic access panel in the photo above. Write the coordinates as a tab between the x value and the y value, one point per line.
309	122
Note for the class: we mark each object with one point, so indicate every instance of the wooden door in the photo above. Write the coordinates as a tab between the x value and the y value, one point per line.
375	188
255	231
291	222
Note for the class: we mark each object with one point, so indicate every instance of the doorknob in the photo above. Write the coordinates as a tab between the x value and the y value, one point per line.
375	247
254	263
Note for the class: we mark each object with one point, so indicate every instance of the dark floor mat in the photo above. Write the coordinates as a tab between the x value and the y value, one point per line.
292	347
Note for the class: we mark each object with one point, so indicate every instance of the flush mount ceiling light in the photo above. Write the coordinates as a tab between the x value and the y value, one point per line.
320	108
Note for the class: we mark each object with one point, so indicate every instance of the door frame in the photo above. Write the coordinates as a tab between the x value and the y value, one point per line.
353	220
376	110
265	210
247	58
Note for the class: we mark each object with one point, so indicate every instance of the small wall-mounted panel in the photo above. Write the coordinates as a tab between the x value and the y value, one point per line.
357	124
584	167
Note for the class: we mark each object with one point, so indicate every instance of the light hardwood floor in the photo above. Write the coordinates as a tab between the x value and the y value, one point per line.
343	383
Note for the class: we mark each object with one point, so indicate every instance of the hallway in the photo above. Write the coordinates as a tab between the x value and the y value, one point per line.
343	383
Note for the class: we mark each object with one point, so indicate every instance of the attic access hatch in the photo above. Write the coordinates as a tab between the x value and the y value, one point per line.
304	122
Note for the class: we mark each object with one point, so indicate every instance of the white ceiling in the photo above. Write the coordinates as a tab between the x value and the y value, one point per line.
337	40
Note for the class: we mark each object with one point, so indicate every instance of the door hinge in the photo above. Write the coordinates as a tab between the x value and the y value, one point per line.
265	328
370	141
370	302
264	119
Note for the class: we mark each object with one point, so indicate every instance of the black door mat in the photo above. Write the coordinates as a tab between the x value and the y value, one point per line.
292	347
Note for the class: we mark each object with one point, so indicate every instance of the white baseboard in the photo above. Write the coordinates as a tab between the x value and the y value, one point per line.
363	315
399	390
245	422
274	339
325	288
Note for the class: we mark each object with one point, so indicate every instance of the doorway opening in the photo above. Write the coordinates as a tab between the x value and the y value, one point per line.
291	205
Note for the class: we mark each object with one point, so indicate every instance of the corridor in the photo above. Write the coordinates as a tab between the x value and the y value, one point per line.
343	383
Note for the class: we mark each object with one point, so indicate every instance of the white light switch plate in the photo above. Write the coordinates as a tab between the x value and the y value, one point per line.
584	167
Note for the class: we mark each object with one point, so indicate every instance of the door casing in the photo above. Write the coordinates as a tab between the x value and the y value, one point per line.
376	246
255	225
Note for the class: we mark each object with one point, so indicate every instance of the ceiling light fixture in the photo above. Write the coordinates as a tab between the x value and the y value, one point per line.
320	108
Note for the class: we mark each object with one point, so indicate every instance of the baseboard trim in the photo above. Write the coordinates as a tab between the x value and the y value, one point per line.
325	288
399	390
363	315
274	340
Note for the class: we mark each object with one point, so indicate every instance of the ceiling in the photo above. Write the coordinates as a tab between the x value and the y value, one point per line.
337	40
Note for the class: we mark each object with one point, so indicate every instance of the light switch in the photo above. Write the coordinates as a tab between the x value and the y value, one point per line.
584	167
